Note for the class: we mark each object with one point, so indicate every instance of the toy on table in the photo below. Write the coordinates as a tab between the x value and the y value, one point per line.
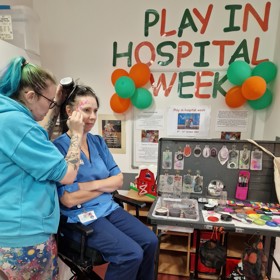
145	183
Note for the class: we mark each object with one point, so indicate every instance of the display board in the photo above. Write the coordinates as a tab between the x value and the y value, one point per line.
190	166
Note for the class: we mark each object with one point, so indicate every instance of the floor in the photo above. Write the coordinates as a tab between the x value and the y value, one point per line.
171	277
65	273
100	270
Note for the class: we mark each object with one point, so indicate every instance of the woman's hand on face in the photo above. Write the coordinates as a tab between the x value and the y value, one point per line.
75	123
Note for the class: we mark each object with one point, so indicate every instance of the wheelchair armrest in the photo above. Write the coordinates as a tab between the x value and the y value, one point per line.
133	202
66	246
83	229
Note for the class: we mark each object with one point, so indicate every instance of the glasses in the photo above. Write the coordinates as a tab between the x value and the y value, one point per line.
52	102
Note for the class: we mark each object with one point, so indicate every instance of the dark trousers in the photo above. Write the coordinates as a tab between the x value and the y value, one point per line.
127	244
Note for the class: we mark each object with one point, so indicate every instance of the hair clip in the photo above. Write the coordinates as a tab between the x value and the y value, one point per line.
67	82
24	63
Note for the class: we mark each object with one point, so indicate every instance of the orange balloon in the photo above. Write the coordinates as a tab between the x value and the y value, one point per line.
140	73
118	104
253	88
117	74
234	97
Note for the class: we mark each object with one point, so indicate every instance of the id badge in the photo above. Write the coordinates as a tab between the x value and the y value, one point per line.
86	217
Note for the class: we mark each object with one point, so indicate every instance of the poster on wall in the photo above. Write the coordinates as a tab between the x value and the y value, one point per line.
148	126
188	121
112	130
232	120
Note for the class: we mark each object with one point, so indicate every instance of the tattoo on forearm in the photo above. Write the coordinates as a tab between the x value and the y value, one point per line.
49	126
73	155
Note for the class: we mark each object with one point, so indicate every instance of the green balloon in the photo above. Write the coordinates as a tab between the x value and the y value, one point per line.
124	87
267	70
142	98
262	102
238	71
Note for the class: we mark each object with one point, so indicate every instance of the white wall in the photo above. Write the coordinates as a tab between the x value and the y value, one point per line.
28	3
77	38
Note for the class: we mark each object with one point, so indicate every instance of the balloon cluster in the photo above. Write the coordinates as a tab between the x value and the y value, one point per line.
250	84
129	88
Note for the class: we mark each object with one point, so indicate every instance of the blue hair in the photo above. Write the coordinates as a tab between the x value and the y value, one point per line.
20	74
11	76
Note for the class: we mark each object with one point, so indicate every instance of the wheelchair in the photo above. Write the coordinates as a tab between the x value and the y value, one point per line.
77	255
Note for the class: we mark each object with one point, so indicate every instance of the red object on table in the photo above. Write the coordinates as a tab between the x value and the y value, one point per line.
146	183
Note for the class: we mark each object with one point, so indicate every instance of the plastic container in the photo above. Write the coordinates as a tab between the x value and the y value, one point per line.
174	212
223	198
19	25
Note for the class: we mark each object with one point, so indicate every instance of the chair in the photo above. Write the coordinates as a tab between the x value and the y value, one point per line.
80	258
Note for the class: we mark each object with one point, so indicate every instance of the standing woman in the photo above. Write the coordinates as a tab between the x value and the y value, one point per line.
30	165
125	242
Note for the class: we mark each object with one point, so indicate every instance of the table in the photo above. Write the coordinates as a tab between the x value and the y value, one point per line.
143	212
202	224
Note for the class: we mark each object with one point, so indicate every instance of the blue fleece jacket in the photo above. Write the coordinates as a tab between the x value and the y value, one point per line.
29	167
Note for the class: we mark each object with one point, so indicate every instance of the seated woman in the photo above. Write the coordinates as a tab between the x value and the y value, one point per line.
125	242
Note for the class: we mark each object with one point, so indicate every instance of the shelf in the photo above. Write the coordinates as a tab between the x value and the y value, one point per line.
175	253
178	243
173	263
